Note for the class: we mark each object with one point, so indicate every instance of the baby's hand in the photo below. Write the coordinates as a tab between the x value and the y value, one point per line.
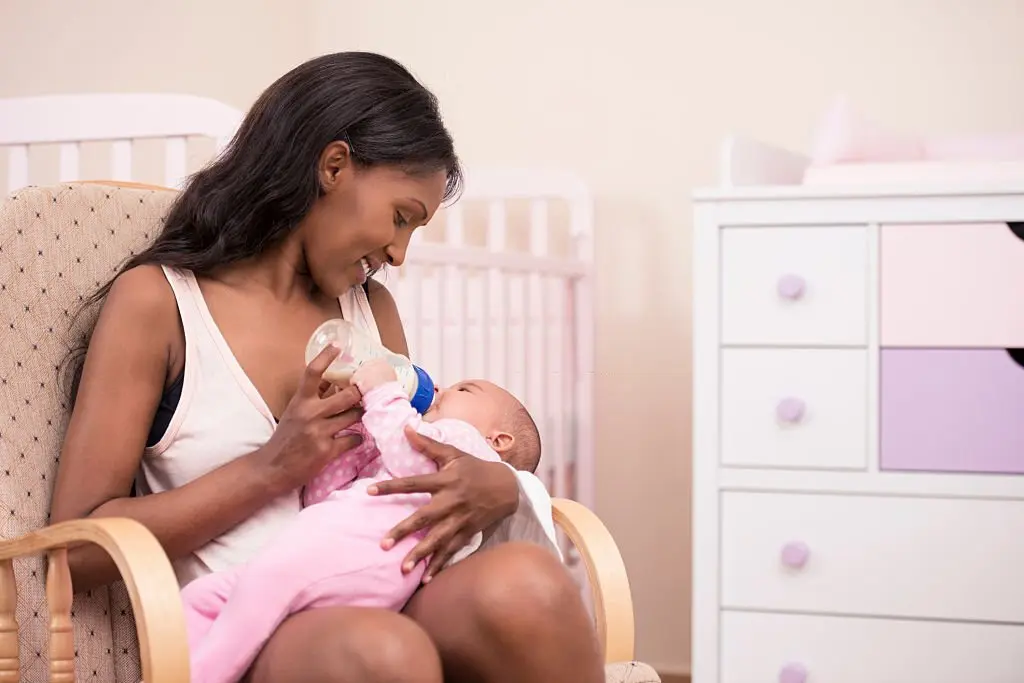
372	374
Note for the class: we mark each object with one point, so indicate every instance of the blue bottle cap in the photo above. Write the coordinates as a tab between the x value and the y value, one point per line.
424	395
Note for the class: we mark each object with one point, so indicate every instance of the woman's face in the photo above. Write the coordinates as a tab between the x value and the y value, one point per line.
364	219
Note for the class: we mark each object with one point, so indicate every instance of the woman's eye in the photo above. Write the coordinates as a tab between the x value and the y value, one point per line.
400	220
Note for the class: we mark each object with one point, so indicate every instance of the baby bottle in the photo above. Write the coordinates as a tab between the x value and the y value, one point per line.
357	347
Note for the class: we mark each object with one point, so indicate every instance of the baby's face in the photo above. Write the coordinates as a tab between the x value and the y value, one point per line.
478	402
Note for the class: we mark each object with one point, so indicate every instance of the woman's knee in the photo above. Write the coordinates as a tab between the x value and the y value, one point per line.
515	588
525	584
511	613
349	645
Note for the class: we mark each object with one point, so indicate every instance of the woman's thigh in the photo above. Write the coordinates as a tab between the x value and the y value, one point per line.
348	645
511	613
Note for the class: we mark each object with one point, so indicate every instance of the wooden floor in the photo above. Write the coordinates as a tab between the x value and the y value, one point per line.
674	678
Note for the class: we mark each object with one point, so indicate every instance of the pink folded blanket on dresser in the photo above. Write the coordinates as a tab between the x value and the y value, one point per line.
850	148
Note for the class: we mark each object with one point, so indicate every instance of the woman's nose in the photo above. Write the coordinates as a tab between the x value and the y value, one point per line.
395	255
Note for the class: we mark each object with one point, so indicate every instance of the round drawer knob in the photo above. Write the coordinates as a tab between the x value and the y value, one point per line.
793	673
795	554
790	410
791	287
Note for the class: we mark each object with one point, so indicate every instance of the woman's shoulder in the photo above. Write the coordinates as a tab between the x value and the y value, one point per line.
141	301
385	313
382	303
142	290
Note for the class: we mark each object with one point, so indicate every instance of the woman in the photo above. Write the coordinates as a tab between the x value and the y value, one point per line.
193	386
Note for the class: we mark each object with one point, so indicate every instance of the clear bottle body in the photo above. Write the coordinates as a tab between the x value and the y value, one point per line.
357	347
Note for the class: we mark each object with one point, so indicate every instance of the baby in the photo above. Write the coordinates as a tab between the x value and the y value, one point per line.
331	555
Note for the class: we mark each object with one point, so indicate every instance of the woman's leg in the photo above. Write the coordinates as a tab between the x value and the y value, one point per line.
509	614
347	645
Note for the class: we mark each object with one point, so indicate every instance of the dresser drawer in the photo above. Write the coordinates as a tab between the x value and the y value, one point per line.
952	410
803	408
765	648
951	286
874	556
794	286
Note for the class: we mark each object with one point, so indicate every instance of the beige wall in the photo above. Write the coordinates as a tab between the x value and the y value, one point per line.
633	95
227	49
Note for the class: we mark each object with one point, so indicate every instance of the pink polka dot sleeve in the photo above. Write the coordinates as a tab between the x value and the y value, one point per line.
338	473
386	414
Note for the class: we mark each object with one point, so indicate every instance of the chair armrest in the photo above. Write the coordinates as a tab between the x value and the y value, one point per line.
147	573
609	585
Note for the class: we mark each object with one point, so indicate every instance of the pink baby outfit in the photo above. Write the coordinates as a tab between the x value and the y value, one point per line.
330	555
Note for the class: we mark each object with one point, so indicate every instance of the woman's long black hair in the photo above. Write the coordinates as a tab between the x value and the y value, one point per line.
256	192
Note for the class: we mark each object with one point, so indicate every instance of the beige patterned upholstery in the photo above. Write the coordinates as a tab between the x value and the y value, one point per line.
630	672
57	245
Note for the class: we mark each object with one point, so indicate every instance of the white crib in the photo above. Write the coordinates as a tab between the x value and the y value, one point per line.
498	286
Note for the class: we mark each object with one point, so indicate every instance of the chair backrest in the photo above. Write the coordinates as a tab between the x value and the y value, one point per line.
57	244
119	120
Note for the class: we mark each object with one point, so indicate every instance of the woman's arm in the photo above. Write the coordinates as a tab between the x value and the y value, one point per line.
385	313
136	342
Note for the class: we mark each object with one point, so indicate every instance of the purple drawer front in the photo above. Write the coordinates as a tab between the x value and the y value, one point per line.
951	410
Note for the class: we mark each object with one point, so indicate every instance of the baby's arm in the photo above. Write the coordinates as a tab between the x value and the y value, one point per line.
387	412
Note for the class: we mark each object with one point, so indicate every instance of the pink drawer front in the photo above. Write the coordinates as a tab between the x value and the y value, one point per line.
952	285
952	410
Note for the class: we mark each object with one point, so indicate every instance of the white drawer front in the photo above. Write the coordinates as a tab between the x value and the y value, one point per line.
793	286
766	648
794	408
874	556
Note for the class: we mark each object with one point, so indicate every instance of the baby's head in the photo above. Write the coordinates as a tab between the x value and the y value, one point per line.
499	417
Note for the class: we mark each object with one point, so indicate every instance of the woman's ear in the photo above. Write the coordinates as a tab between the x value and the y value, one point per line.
501	441
335	161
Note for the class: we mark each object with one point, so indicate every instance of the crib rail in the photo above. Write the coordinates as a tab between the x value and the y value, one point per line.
70	121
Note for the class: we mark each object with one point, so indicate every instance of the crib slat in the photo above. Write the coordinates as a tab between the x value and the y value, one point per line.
121	160
455	345
68	162
10	666
17	167
440	281
581	352
558	401
497	363
535	333
412	291
175	161
58	599
486	322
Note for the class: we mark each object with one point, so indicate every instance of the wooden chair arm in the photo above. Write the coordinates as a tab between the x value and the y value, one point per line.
147	573
609	585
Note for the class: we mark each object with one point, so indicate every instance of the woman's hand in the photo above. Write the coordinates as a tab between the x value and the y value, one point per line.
308	434
467	496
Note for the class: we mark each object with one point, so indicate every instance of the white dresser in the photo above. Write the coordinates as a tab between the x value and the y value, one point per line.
858	464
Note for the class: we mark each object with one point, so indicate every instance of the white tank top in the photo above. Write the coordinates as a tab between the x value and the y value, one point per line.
219	417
